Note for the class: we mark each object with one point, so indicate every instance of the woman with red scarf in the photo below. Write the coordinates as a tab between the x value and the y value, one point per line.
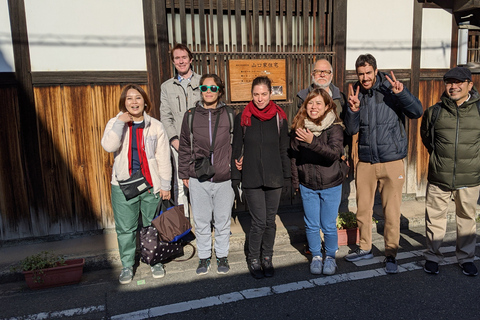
260	162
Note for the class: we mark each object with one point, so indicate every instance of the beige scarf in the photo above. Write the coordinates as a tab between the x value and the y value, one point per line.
326	123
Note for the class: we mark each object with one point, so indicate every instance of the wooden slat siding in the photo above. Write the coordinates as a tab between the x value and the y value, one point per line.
238	25
454	42
52	78
7	80
30	152
305	30
192	19
151	50
83	156
14	202
183	20
201	18
172	5
54	157
273	25
339	44
220	70
256	26
414	125
106	107
163	46
230	36
289	8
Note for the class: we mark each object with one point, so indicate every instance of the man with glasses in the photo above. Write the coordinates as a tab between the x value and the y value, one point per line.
450	131
178	94
378	105
322	75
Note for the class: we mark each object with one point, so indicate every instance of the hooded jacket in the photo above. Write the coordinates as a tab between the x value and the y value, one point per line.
380	122
455	151
203	126
116	139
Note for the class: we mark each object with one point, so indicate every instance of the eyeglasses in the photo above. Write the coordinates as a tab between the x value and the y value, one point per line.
315	72
212	88
454	81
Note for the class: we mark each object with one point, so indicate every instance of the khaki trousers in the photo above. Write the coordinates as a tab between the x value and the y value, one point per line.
389	177
437	200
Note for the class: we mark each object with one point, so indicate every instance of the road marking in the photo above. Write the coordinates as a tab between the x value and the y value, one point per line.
268	291
60	314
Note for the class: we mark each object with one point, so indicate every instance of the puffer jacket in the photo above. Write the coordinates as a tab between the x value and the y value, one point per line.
380	122
317	165
116	139
455	158
174	101
203	126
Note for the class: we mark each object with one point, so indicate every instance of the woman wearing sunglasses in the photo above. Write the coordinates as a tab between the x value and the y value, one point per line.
205	135
261	163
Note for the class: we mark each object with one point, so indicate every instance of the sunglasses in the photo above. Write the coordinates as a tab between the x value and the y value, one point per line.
212	88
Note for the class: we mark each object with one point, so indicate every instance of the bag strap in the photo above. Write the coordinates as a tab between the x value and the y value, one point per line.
189	257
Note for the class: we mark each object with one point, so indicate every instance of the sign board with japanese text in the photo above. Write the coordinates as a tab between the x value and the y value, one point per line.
243	71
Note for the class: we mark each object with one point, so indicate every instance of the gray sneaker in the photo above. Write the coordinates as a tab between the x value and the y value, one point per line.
158	271
329	266
358	254
222	265
126	275
391	265
316	265
203	266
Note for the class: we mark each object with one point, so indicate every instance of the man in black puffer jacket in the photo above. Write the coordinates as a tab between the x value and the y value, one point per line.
378	105
451	133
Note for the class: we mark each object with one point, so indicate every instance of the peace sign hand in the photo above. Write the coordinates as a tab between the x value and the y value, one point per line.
353	101
397	86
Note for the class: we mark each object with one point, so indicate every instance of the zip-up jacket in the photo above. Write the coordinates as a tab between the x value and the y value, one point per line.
203	125
116	139
175	100
380	122
455	157
316	165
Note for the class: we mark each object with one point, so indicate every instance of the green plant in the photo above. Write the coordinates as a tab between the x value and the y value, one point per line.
346	220
38	262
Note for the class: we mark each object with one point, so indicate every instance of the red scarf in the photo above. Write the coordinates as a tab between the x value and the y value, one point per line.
142	156
264	114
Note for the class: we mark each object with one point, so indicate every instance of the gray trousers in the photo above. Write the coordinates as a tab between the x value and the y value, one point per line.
211	203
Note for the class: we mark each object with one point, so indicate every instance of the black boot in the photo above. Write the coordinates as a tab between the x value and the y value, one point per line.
255	269
267	266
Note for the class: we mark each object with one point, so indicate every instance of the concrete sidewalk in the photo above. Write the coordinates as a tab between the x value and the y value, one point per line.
100	249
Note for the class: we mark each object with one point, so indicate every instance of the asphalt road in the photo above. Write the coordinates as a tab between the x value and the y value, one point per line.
355	292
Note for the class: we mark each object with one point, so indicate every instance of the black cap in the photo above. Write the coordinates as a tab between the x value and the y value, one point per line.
458	73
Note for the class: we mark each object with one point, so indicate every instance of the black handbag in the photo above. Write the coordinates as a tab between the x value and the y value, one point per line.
135	185
153	251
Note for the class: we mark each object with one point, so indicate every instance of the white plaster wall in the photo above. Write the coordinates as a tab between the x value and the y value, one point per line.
87	35
382	28
436	38
6	48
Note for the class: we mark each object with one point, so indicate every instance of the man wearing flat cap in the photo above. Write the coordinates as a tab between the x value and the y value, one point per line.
450	131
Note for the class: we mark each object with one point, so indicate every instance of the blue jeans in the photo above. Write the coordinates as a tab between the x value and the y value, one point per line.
321	210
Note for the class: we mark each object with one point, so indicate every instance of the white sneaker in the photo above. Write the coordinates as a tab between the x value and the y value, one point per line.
329	266
316	265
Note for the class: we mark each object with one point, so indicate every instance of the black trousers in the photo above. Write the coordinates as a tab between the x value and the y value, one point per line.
263	205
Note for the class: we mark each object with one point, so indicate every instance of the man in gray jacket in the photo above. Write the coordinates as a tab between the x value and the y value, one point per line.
178	94
378	105
451	133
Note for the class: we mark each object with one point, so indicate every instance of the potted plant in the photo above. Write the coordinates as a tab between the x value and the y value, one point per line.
347	228
46	270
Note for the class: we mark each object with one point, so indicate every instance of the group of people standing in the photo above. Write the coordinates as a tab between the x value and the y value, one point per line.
257	152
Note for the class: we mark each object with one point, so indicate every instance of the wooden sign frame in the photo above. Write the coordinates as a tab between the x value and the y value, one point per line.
243	71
